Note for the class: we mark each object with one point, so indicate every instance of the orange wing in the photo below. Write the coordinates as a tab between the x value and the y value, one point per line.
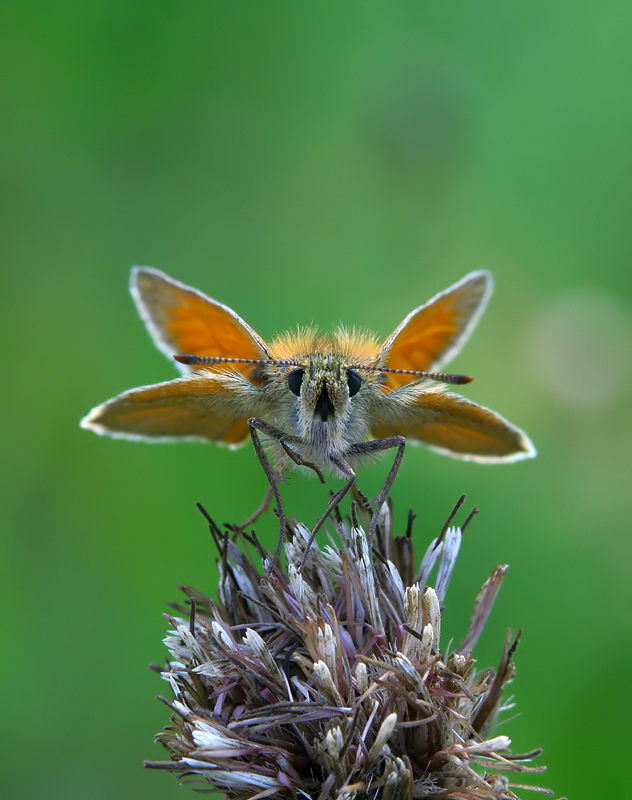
433	333
182	320
453	426
201	406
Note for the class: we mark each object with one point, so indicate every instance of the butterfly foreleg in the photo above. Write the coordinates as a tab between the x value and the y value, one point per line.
298	460
335	500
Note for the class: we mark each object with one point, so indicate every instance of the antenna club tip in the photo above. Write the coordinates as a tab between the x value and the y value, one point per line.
182	359
465	379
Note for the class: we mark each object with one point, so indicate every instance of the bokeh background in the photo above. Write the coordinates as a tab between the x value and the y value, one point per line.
310	162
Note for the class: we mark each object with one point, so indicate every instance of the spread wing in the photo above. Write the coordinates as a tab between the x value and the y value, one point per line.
208	402
182	320
434	333
451	425
205	405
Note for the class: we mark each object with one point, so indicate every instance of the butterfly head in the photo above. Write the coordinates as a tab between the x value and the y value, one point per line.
325	385
320	397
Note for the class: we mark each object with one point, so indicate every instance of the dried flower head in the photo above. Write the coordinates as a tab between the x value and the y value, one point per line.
328	681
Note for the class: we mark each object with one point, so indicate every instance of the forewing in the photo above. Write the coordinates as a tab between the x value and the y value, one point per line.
182	320
453	426
203	406
434	333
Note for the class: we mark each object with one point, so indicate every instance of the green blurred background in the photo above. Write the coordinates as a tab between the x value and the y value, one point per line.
310	162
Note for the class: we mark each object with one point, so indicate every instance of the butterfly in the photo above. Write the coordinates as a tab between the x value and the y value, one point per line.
324	402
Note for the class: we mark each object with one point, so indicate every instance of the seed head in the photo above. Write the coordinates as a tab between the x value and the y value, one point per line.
329	681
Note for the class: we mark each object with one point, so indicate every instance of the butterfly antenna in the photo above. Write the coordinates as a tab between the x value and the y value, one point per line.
443	377
200	361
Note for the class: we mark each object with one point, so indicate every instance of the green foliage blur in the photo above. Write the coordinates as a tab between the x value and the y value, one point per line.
329	162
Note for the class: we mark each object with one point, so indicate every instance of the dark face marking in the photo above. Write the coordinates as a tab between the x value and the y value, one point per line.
324	407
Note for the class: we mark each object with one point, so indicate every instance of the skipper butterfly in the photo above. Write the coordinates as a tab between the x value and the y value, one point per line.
325	402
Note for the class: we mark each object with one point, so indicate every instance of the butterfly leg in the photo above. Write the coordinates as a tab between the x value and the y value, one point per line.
299	461
376	446
296	458
259	511
272	476
362	448
335	500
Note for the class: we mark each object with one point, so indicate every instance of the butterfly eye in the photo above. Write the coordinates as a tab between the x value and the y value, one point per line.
354	382
294	381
